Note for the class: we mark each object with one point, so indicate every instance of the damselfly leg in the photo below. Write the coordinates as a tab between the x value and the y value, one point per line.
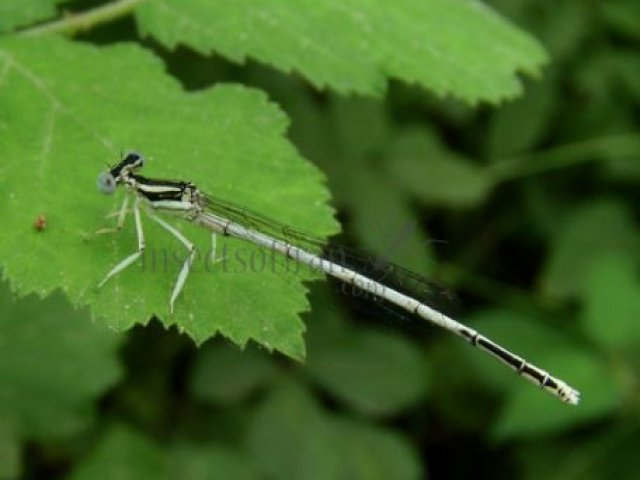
122	214
141	245
186	266
191	248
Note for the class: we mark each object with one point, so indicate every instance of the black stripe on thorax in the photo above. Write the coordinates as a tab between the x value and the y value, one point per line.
155	189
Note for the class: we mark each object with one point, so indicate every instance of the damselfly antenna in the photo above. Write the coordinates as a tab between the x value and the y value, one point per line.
223	218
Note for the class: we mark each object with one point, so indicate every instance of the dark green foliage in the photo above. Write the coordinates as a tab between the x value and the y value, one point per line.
527	210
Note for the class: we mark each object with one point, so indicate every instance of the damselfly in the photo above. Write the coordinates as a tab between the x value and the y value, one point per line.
185	199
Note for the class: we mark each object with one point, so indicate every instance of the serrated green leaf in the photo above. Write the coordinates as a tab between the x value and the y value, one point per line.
226	375
123	454
456	47
55	362
18	13
612	302
427	169
67	107
595	229
373	372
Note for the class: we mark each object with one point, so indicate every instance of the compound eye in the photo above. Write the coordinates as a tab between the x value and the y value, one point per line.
106	183
135	160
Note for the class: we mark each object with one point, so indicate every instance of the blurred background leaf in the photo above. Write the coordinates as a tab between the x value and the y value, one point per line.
292	438
612	302
235	374
596	229
528	210
55	364
123	454
376	373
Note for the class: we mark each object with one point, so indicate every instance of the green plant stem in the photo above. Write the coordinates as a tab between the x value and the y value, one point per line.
73	23
615	146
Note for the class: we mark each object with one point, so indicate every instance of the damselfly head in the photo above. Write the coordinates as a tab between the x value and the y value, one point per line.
130	162
106	183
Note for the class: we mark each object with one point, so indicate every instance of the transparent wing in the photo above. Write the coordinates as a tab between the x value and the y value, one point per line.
258	222
376	268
